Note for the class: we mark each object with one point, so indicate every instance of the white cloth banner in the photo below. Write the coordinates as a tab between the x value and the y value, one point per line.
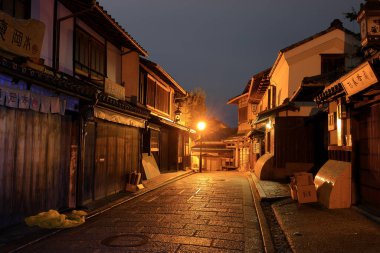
24	99
55	105
35	102
45	104
11	98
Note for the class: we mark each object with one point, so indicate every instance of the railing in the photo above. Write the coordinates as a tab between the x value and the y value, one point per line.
340	153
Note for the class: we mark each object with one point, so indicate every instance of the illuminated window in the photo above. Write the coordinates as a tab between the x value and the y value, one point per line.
89	56
16	8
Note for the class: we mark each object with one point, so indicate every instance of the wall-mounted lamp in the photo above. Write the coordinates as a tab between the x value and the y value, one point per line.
177	115
268	125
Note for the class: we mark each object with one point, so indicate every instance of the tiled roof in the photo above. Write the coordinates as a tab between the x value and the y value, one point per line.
162	74
259	86
313	85
255	88
286	106
103	23
336	24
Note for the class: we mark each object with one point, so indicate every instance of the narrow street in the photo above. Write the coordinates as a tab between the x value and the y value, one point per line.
208	212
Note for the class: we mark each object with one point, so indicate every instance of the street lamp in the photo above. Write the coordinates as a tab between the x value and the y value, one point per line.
200	126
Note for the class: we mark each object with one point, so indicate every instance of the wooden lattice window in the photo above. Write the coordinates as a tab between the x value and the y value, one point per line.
90	56
243	114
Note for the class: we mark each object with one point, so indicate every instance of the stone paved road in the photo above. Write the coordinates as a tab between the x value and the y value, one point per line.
208	212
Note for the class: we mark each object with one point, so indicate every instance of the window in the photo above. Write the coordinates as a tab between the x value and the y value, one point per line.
332	63
157	96
154	141
142	87
162	99
243	114
89	56
16	8
151	92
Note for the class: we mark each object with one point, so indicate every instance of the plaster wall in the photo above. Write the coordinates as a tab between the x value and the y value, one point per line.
43	10
130	73
66	43
113	63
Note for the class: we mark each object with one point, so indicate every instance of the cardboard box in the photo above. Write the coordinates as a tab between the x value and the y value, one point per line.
131	188
293	191
303	178
306	193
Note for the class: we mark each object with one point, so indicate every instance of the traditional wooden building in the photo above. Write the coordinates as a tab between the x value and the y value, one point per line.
289	122
351	176
69	131
248	141
166	137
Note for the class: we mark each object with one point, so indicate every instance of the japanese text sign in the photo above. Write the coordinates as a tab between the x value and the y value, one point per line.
20	36
359	79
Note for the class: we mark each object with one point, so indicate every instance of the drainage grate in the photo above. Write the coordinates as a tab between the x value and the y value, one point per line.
125	240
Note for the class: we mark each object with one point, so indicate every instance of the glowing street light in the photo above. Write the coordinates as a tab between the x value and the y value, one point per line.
200	126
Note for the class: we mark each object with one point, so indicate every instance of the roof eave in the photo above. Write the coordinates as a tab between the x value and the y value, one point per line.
235	99
139	48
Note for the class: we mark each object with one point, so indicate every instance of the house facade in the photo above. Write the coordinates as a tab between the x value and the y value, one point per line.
248	143
166	137
351	174
281	116
288	123
72	125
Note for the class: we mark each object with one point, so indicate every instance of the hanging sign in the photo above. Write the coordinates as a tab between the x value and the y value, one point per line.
359	79
21	36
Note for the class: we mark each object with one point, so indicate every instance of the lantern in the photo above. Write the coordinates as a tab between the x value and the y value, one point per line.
369	21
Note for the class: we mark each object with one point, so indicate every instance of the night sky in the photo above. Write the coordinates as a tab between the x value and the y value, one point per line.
218	45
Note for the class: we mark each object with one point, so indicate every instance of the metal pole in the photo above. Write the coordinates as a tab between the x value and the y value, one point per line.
200	155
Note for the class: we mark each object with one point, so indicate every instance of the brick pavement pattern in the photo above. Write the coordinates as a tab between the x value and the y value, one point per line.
205	212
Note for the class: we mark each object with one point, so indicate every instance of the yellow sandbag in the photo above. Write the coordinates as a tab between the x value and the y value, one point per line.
53	219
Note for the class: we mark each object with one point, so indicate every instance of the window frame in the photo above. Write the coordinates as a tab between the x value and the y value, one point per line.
86	69
154	103
328	60
27	4
241	112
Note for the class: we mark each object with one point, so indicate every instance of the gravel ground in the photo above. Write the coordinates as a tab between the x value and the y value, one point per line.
279	239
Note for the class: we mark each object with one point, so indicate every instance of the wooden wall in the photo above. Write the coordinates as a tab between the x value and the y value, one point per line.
34	163
111	152
366	155
300	139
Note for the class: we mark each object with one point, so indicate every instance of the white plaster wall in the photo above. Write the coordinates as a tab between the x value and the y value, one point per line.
43	10
113	63
305	60
280	78
66	41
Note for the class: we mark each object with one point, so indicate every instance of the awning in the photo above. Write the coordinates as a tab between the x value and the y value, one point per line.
260	119
153	126
256	132
286	106
116	117
172	124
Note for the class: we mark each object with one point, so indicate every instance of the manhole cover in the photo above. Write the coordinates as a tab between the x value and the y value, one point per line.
125	240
